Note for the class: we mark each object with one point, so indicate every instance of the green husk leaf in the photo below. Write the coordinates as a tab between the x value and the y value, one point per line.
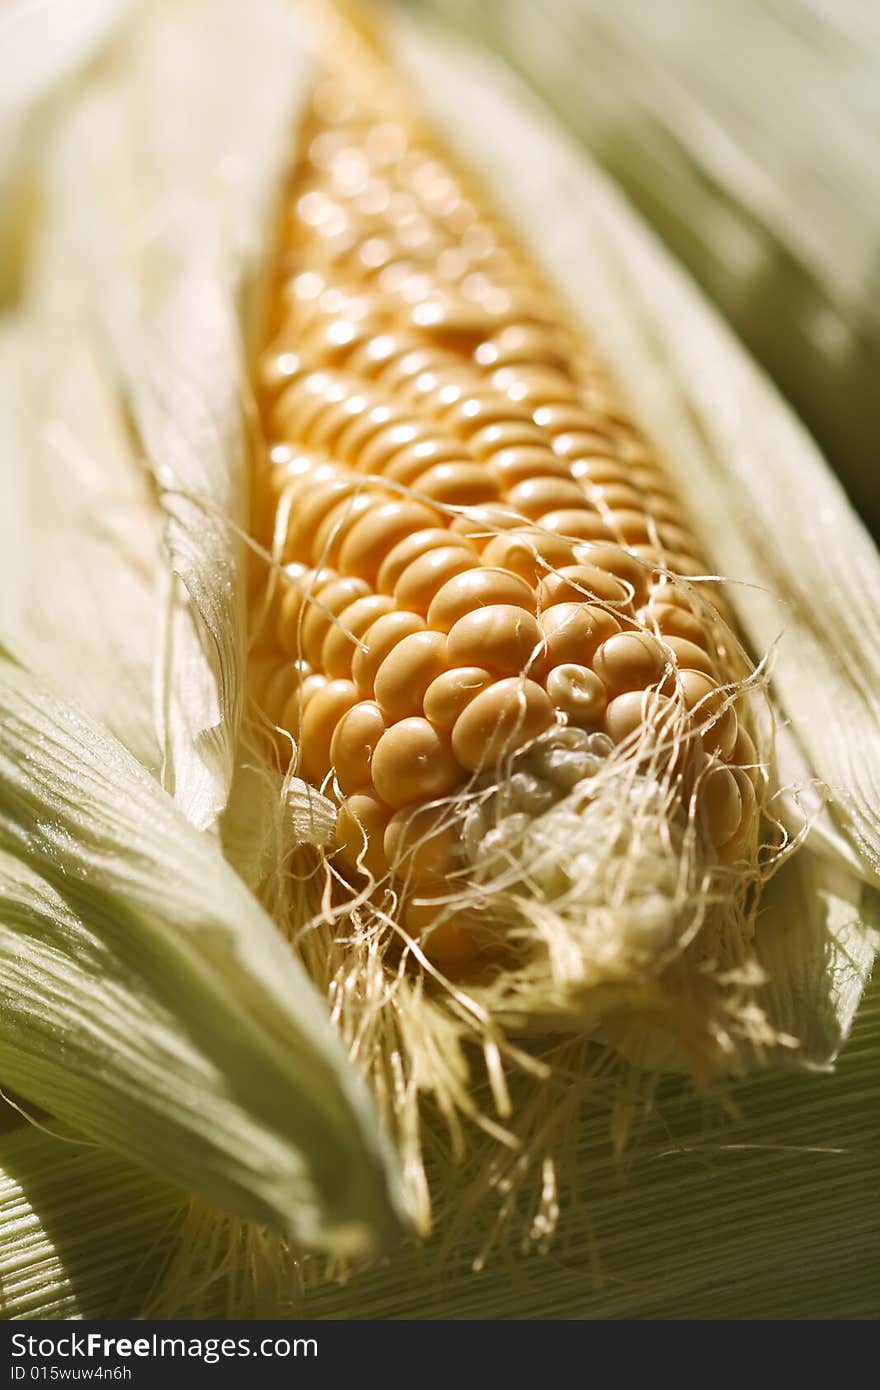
148	1000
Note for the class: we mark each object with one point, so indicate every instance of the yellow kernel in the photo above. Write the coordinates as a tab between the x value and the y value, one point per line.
449	693
628	712
507	434
420	845
322	714
447	941
292	713
720	804
324	604
518	463
476	588
580	584
407	671
584	444
501	637
745	754
410	463
536	497
413	762
422	579
674	620
573	631
502	718
617	562
742	842
309	510
579	525
578	692
528	553
294	586
479	524
629	661
457	484
409	549
340	643
332	531
631	527
373	536
378	640
689	656
360	832
701	695
353	743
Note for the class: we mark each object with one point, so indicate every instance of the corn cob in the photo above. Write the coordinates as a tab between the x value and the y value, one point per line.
480	598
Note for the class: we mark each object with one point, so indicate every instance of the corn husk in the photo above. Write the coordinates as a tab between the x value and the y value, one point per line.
164	249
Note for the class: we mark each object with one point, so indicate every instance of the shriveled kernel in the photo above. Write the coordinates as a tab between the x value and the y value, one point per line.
360	832
353	743
572	632
373	536
420	844
450	693
720	804
578	692
407	671
322	714
498	721
629	661
476	588
424	577
580	584
413	762
502	637
378	640
340	643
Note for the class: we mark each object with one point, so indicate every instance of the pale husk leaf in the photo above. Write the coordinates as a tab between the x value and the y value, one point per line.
163	176
149	1001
